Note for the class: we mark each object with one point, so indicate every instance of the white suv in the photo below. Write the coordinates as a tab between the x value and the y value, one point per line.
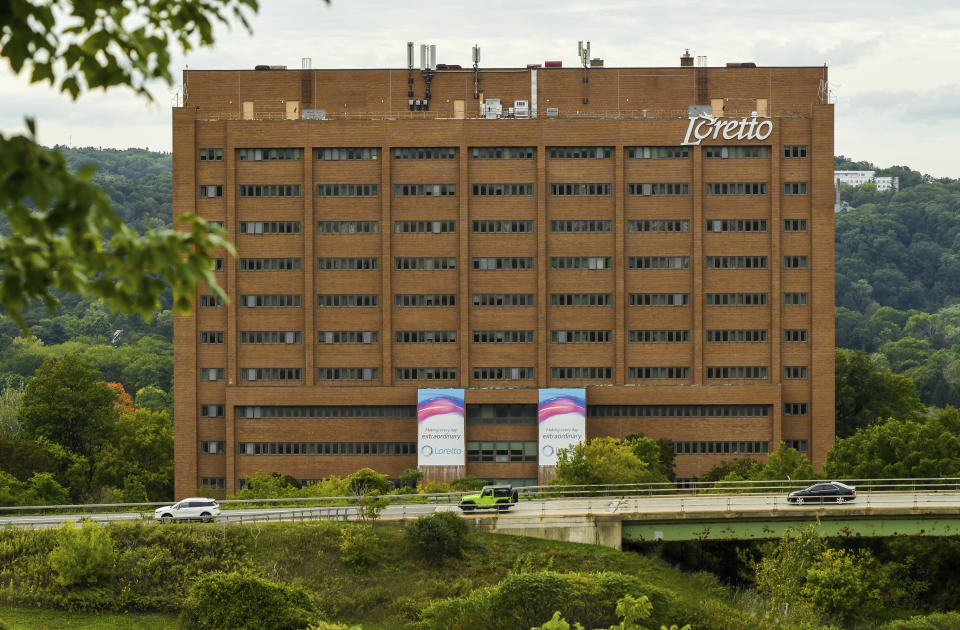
193	508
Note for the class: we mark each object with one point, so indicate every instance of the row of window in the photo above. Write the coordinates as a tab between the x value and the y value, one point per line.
500	153
426	299
327	448
721	448
502	190
502	452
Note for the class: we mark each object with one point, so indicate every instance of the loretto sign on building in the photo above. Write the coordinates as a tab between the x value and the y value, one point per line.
464	271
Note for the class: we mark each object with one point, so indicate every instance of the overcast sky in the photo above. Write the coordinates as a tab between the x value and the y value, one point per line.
893	74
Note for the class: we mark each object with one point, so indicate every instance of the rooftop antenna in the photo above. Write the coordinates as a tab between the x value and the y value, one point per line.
584	53
476	71
428	65
410	74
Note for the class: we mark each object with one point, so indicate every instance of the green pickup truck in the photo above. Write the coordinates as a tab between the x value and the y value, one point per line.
499	498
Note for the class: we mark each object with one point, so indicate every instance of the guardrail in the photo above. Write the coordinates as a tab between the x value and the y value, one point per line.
865	487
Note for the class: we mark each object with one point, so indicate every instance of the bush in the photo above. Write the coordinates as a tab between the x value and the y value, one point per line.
243	601
367	480
359	546
437	536
466	484
936	621
409	478
3	625
83	557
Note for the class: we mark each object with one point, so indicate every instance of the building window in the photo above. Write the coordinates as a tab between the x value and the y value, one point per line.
269	190
736	262
795	335
738	372
794	225
795	151
270	374
580	190
503	336
503	299
795	188
348	153
214	482
580	153
425	190
327	448
502	153
353	300
346	264
347	336
502	227
269	227
658	225
758	335
269	264
329	411
799	445
347	227
211	155
736	299
658	262
735	152
211	336
348	373
736	188
426	336
208	191
272	155
211	301
580	262
659	336
659	299
721	448
661	189
658	153
424	227
580	336
795	409
424	153
347	190
426	373
794	262
426	264
502	452
211	374
213	448
659	373
270	337
795	299
211	411
426	299
678	411
218	264
580	299
736	225
511	263
581	225
502	190
795	372
502	373
502	414
270	301
581	373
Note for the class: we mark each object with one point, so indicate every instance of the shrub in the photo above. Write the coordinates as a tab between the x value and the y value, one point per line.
410	477
3	625
83	556
434	487
936	621
359	546
367	480
437	536
466	484
243	601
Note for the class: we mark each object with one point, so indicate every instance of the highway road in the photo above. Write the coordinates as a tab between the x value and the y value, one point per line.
668	504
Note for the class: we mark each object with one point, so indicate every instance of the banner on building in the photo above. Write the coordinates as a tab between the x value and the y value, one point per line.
562	420
440	428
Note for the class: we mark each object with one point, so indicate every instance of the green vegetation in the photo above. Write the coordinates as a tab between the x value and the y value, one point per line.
607	460
49	619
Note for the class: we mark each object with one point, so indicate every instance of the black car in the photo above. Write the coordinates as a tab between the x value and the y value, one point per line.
823	492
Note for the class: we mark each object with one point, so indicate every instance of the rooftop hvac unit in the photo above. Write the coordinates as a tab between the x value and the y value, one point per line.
521	109
313	114
553	112
492	108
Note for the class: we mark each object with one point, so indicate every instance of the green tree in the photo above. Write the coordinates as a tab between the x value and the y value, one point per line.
83	556
139	452
786	463
841	584
154	399
65	235
367	480
734	469
651	452
781	572
409	479
68	403
864	394
10	400
602	460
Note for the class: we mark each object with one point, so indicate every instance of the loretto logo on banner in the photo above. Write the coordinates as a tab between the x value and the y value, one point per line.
562	421
440	434
707	127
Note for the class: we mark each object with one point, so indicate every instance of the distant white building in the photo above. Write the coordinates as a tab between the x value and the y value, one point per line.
857	178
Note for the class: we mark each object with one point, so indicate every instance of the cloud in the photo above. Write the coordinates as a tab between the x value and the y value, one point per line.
933	106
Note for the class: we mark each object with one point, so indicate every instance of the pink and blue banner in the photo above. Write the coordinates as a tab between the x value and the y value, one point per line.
440	428
562	420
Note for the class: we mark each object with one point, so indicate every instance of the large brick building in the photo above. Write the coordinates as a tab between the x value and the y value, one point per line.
662	237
